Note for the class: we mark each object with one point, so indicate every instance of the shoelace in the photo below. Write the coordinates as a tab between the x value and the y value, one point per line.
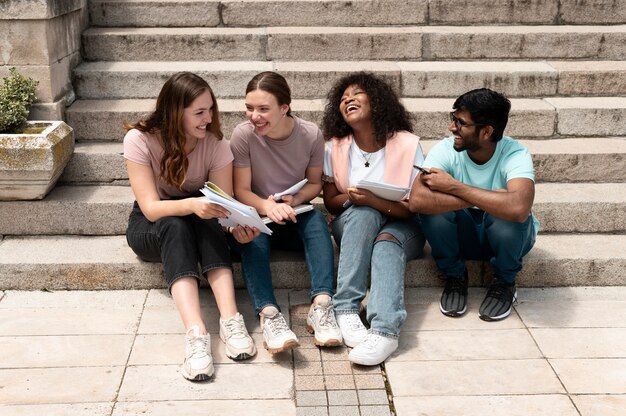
277	324
235	328
455	284
198	345
370	341
327	318
501	292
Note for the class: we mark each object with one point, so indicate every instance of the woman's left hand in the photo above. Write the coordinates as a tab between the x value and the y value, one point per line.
245	234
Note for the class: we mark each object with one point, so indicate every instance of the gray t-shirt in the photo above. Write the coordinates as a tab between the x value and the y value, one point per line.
277	164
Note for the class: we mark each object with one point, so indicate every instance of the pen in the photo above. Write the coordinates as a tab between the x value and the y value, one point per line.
421	169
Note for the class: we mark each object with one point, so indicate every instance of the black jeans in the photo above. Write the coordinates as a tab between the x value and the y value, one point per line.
180	243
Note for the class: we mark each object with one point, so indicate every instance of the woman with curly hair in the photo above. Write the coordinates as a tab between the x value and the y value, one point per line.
370	138
169	157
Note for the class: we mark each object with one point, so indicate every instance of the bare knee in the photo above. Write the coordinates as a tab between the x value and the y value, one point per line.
387	237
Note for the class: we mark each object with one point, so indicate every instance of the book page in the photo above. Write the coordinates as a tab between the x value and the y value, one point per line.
290	191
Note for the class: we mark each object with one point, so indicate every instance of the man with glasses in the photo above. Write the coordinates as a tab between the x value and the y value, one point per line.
474	202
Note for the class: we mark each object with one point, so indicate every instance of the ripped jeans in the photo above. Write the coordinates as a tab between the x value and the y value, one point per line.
356	231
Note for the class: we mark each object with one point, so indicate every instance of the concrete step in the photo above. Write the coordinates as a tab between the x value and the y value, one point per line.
530	118
103	210
351	13
356	43
313	79
556	160
57	263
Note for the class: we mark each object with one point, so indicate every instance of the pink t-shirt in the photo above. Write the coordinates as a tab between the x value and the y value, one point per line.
209	154
277	164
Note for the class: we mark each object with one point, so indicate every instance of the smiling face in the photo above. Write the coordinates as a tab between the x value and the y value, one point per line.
466	133
355	106
264	113
198	116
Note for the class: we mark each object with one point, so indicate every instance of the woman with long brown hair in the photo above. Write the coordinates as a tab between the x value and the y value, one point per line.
169	156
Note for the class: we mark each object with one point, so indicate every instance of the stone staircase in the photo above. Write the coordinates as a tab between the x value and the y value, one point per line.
562	63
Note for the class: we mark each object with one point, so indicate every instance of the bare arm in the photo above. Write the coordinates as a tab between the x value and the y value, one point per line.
144	187
333	199
424	200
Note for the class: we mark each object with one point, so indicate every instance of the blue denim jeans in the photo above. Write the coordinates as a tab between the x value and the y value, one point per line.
472	234
309	233
355	232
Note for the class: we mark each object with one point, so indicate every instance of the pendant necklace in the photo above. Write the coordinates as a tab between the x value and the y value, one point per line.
366	158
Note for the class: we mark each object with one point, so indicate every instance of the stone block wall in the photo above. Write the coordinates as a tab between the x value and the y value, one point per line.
41	38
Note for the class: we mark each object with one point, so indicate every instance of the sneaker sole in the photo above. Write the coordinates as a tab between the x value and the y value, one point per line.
453	314
328	343
291	344
198	377
238	356
500	317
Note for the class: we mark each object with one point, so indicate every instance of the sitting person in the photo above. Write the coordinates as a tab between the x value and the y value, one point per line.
274	150
371	140
169	156
475	201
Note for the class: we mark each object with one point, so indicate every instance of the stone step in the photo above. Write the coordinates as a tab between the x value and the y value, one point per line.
103	210
351	13
556	160
313	79
530	118
57	263
356	43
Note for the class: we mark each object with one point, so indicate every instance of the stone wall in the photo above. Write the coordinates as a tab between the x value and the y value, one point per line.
41	38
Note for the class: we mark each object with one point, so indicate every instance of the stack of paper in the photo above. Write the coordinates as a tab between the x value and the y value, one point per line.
383	190
240	214
290	191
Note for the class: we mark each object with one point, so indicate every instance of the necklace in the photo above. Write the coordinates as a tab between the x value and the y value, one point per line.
365	158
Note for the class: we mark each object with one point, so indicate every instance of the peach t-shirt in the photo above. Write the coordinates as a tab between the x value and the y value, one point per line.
209	154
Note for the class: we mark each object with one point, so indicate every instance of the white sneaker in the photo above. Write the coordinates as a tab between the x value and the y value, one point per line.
237	342
352	329
198	364
373	350
321	321
277	336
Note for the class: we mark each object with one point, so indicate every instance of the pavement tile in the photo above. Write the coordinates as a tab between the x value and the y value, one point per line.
579	314
581	376
306	354
59	385
170	349
64	351
300	330
311	398
428	317
308	368
68	321
309	383
370	397
485	377
343	411
339	382
605	405
162	297
366	369
369	381
375	411
205	407
307	342
80	409
572	293
342	398
337	367
312	411
96	299
581	342
334	353
477	345
524	405
230	382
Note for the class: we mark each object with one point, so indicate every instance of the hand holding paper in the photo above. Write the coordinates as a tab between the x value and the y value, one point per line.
290	191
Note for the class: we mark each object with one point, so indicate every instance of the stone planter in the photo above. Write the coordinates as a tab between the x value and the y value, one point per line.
31	162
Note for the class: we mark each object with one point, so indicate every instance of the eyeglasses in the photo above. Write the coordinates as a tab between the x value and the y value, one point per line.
459	124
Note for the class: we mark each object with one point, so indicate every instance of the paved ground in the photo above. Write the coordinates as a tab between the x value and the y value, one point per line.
563	352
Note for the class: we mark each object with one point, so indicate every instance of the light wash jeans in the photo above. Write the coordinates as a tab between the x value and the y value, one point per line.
355	232
309	233
472	234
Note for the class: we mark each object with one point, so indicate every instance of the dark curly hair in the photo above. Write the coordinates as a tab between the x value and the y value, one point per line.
388	114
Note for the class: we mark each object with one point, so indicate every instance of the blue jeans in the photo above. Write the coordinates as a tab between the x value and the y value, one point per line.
310	234
472	234
355	232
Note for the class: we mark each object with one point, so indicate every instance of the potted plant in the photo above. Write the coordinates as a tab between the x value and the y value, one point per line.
33	154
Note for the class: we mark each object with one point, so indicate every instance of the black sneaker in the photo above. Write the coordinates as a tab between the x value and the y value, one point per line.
454	297
498	301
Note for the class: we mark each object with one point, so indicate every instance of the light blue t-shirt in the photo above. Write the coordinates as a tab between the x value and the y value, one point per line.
510	160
